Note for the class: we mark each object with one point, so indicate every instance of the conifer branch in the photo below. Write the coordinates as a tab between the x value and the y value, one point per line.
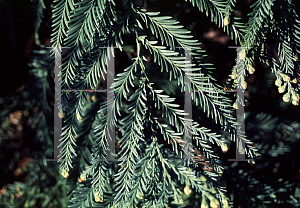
166	60
175	114
221	13
168	30
132	126
215	7
82	26
260	19
38	15
71	127
288	40
61	16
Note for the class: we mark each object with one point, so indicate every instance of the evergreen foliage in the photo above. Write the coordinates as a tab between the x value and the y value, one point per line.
149	170
38	12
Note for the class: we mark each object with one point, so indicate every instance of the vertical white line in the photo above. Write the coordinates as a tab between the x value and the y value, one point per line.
240	143
57	106
240	95
110	105
58	113
187	107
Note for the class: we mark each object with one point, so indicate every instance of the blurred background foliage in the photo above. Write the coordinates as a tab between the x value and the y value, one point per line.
26	121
